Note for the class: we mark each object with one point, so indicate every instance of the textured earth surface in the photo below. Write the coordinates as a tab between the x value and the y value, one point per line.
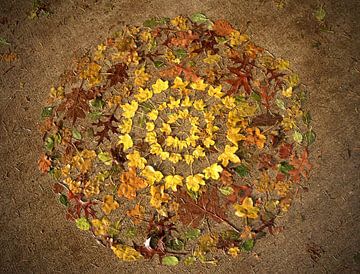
321	228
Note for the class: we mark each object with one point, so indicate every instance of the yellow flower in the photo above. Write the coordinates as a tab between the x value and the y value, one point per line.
229	102
165	128
173	181
151	137
233	251
109	204
173	103
198	152
199	105
193	182
152	115
186	102
126	141
135	160
126	253
143	95
126	126
175	157
160	86
208	141
246	209
189	159
199	85
213	171
216	92
179	84
150	126
141	77
229	155
130	109
234	136
152	175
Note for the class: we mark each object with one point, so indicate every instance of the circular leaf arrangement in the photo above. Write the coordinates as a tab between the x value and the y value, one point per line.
181	139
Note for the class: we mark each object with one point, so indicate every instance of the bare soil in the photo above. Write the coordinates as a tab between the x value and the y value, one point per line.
321	234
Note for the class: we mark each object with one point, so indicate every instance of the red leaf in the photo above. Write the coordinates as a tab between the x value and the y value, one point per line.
285	150
183	38
301	167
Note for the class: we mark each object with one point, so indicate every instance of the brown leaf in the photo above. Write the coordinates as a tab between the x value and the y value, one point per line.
285	150
107	127
222	27
193	212
266	161
183	38
118	74
226	177
301	166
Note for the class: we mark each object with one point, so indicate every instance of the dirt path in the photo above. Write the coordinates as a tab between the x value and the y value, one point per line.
321	229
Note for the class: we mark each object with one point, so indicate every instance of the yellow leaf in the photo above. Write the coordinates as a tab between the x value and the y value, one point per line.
199	85
216	92
173	181
130	183
153	114
236	39
160	86
179	84
109	204
208	141
143	95
165	128
126	253
129	109
186	102
175	157
213	171
198	152
189	159
173	103
172	118
233	251
141	77
180	22
246	209
150	126
158	196
136	214
155	149
211	59
126	141
199	105
193	182
100	226
229	155
183	114
152	175
234	136
229	102
126	126
151	137
135	160
287	92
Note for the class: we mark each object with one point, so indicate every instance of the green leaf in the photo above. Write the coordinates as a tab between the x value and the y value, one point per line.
255	96
230	235
297	136
4	42
192	233
310	137
57	138
131	232
176	244
320	13
46	112
198	18
280	103
63	200
307	118
285	167
153	22
95	115
170	261
242	170
82	223
248	245
159	63
180	53
105	157
226	190
98	103
49	143
114	229
76	134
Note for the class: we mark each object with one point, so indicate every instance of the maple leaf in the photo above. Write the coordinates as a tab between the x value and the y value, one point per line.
192	212
301	166
130	184
213	171
173	181
193	182
126	140
76	104
184	38
117	74
44	163
229	155
243	79
222	28
107	127
109	204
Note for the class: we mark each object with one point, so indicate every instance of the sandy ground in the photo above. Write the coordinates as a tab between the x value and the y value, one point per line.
322	228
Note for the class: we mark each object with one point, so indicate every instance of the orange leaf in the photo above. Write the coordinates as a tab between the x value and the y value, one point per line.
44	163
222	27
136	213
130	183
183	38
